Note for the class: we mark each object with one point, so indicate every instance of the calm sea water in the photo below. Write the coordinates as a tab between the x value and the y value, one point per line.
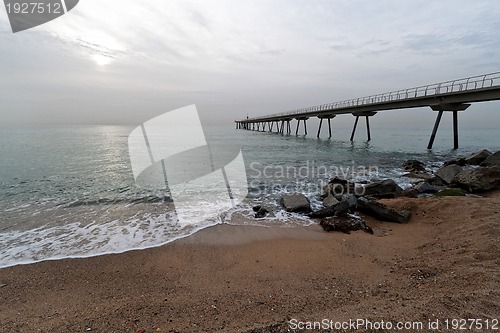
70	191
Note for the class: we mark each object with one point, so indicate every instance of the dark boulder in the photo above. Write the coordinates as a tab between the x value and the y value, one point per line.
436	181
478	157
414	166
387	188
447	173
296	202
493	159
342	208
418	175
424	187
457	161
260	211
351	200
409	193
345	224
480	179
330	201
382	212
338	187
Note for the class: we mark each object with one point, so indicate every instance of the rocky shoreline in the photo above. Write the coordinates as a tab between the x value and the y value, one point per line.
343	200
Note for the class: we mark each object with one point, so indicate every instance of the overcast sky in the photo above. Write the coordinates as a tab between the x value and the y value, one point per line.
123	61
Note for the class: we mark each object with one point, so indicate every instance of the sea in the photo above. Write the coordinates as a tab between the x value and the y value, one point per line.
69	191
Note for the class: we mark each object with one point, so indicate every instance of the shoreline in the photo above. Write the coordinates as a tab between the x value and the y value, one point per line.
442	264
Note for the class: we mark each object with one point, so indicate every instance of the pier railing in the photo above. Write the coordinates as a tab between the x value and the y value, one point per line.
435	89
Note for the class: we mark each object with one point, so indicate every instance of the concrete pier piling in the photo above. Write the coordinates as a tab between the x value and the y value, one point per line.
367	116
304	119
328	117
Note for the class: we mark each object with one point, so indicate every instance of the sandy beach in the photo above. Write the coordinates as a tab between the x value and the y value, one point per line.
443	264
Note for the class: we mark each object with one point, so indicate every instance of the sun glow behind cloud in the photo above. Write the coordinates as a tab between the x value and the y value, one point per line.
102	60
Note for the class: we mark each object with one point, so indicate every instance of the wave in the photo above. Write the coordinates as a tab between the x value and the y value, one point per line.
116	201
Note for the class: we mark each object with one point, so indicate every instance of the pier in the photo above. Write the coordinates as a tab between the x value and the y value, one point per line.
449	96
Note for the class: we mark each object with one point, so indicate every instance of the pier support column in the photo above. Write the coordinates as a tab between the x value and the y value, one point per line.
366	115
435	129
271	127
453	107
328	117
455	129
298	125
368	128
354	128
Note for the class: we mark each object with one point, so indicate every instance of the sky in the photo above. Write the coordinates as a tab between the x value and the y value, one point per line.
124	62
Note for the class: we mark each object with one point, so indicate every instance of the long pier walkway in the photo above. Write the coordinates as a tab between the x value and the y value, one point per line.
450	96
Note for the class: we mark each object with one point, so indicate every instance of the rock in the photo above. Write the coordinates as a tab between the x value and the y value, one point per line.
351	200
424	187
493	159
382	189
382	212
414	166
342	208
295	202
478	157
457	161
450	192
418	175
436	181
260	211
409	193
480	179
447	173
326	191
330	201
338	187
345	224
338	210
325	212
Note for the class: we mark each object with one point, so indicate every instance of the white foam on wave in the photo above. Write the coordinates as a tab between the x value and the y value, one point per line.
74	240
17	208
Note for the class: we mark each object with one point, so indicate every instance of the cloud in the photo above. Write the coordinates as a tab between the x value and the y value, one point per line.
126	60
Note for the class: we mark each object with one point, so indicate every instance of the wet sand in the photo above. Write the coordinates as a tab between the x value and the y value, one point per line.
443	264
